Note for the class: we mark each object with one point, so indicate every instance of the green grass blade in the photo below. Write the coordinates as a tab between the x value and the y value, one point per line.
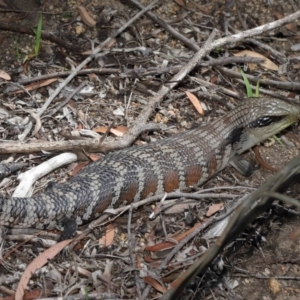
247	84
278	140
257	90
38	35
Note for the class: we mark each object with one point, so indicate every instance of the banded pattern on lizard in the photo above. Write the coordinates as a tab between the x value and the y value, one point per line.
177	162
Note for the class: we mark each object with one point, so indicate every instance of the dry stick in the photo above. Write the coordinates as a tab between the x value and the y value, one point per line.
116	212
67	73
167	27
231	60
140	72
132	244
45	36
293	86
279	56
216	87
194	46
65	102
88	145
270	93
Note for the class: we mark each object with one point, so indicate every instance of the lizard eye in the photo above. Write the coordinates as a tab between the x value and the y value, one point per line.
264	121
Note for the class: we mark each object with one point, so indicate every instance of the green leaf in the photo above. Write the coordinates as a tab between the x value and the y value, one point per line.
278	140
25	58
247	84
38	35
257	90
16	42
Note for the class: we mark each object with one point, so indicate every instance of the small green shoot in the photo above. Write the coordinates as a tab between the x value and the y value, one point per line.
86	293
257	90
247	84
16	42
38	35
26	57
278	140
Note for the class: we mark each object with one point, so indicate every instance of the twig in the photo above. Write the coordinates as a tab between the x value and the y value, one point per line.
131	246
70	145
278	55
293	86
28	178
167	27
141	72
249	274
10	26
65	102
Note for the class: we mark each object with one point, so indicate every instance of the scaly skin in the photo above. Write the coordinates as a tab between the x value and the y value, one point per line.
183	160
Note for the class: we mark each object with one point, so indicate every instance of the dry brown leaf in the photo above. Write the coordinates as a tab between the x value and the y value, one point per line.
4	75
81	115
72	104
79	126
92	76
102	241
180	207
85	17
37	85
180	3
168	245
267	64
27	296
277	14
155	284
79	167
214	79
291	26
109	234
94	157
295	235
195	102
101	129
117	131
214	208
37	263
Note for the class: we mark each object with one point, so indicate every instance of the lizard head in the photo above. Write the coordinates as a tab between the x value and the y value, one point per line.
263	117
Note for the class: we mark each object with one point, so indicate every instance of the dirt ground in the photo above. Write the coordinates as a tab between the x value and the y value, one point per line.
117	89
